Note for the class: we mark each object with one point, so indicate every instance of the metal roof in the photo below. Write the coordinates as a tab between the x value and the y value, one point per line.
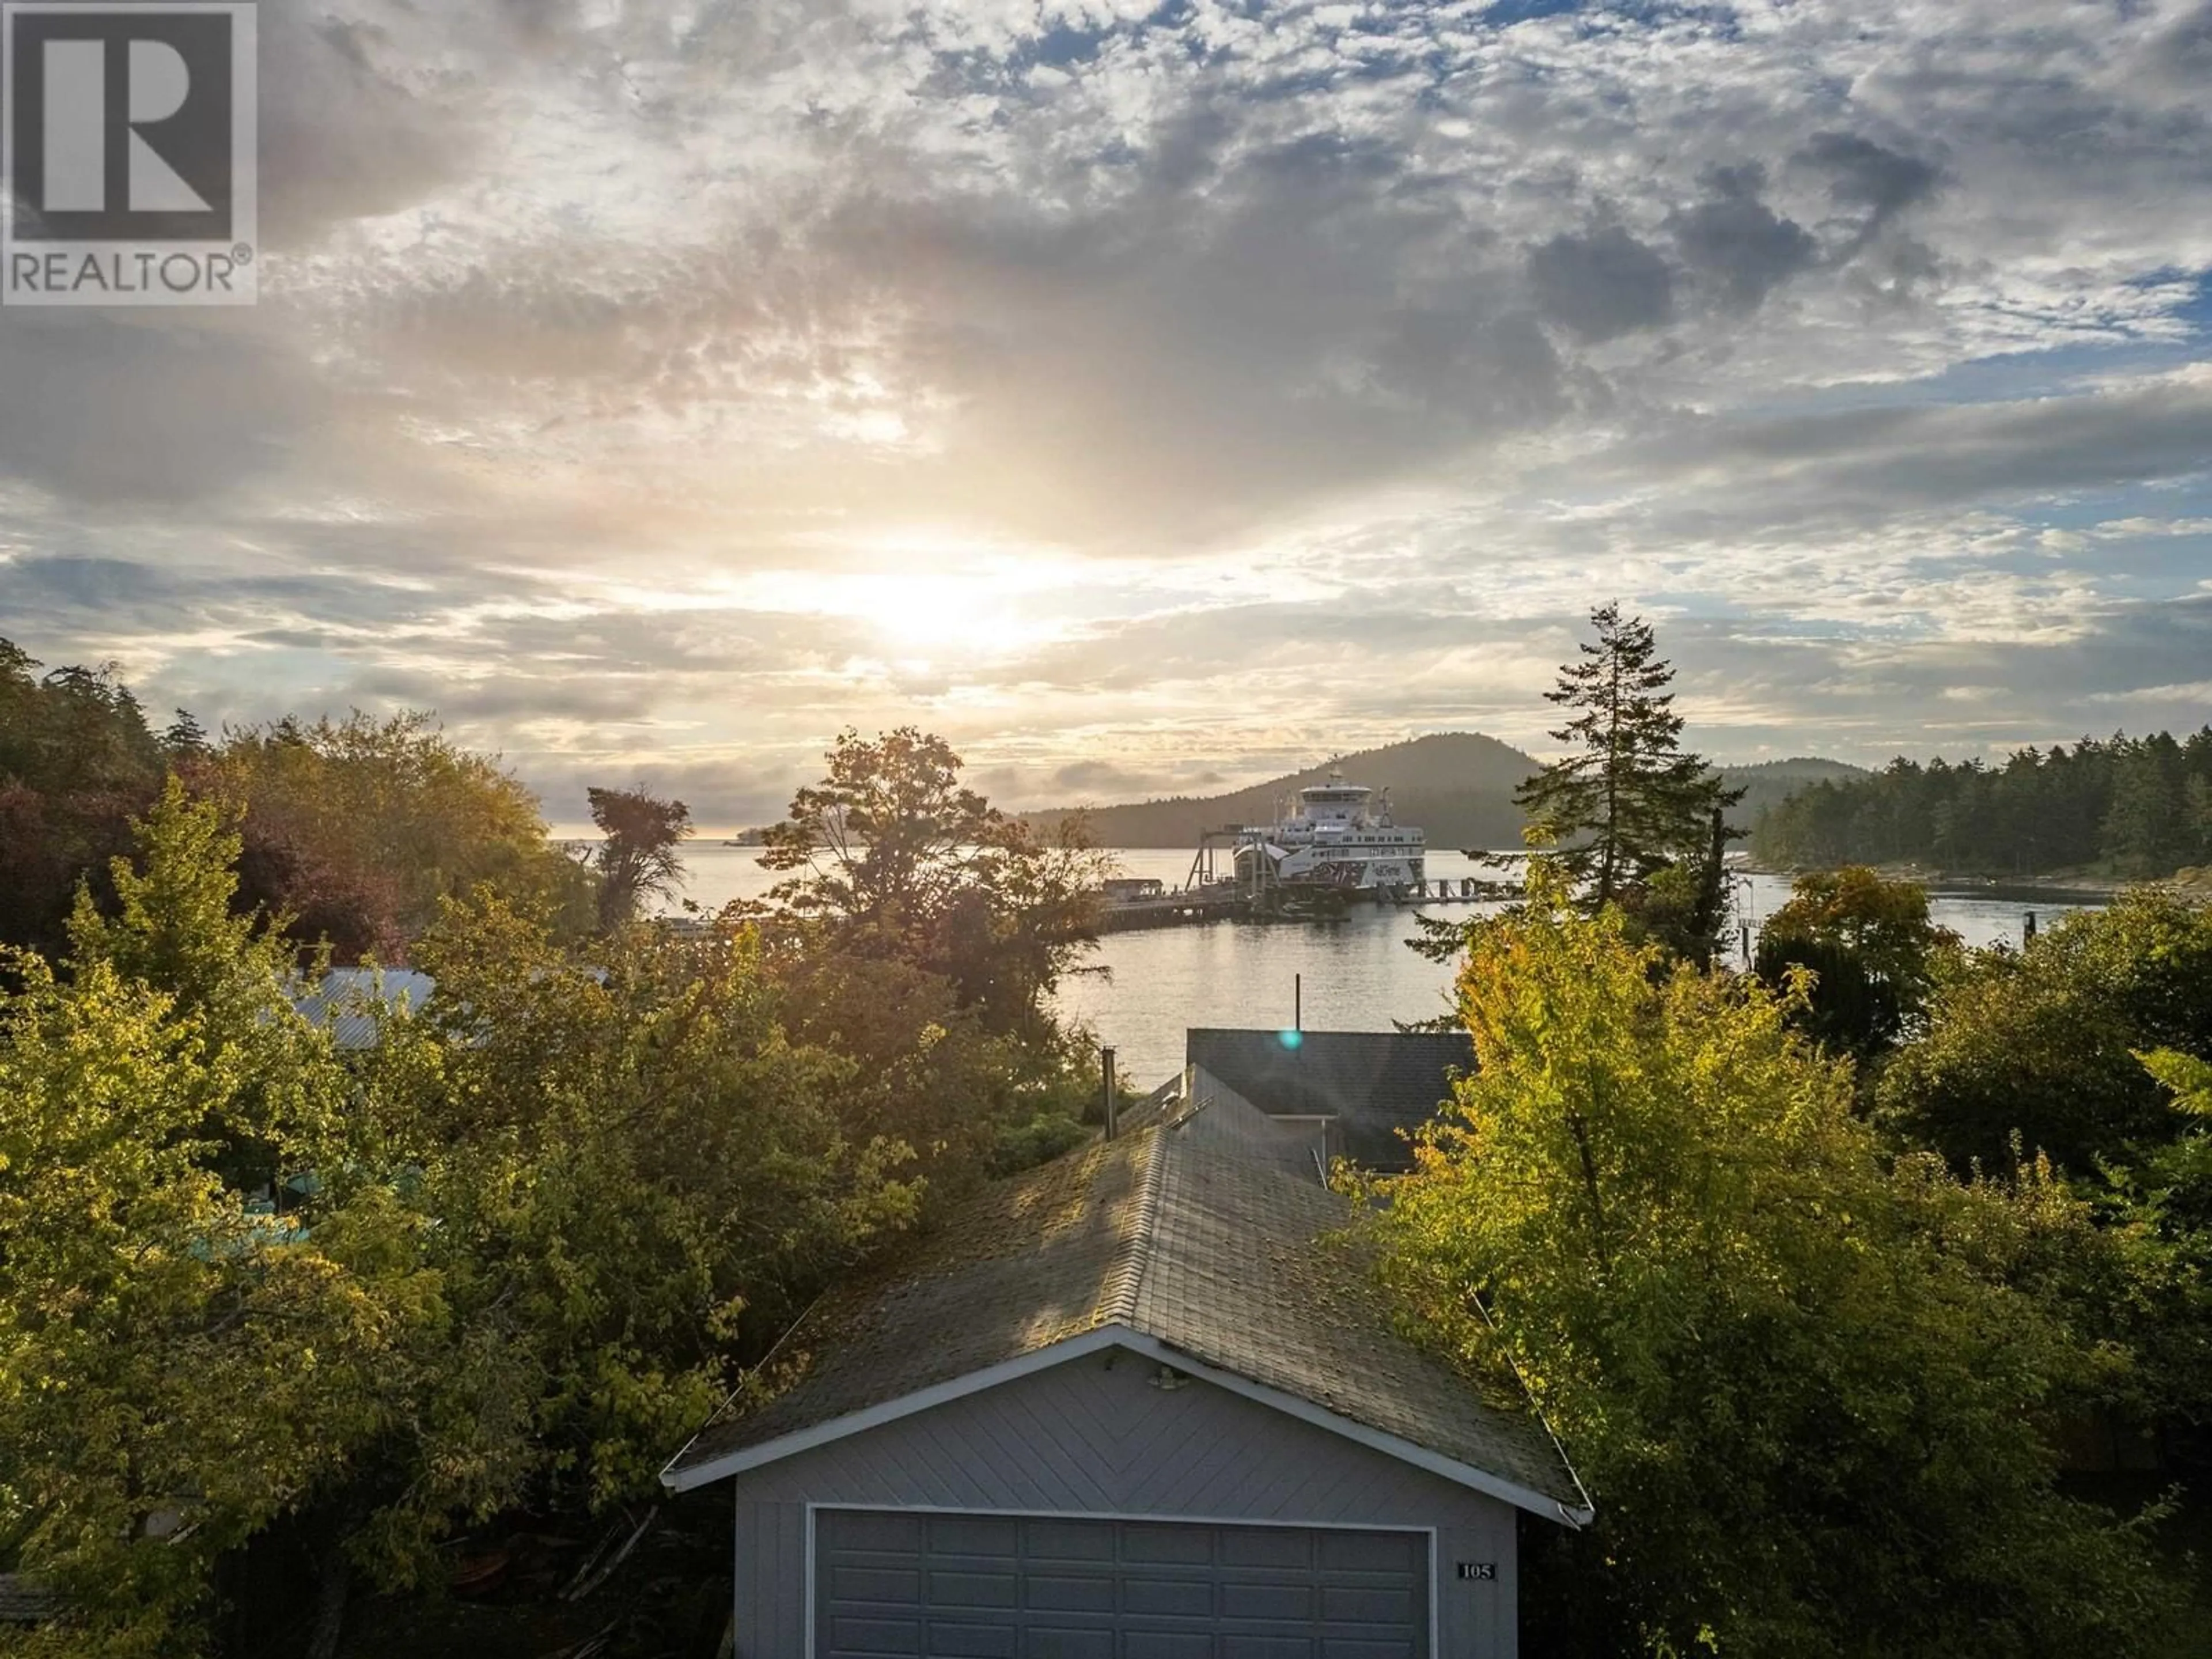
1378	1086
352	1001
1194	1233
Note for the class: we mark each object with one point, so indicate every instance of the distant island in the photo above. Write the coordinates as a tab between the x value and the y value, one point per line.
1456	785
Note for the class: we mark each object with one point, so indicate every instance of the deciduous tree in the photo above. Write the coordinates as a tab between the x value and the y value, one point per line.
2040	1042
1871	947
1799	1381
891	852
639	860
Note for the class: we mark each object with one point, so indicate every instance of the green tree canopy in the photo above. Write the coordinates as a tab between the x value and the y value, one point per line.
77	761
1801	1383
2041	1041
1871	948
358	829
180	1362
2132	806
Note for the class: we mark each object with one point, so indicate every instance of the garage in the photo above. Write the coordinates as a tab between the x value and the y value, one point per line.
1145	1401
1037	1587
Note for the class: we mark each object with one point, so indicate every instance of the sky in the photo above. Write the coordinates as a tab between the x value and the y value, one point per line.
1155	397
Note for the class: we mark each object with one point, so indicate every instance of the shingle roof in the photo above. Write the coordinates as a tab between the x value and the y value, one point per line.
1178	1232
1377	1084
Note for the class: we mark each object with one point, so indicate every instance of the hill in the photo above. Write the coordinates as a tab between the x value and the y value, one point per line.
1457	786
1771	782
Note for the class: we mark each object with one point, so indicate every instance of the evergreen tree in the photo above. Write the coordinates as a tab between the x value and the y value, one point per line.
2135	806
187	739
1632	813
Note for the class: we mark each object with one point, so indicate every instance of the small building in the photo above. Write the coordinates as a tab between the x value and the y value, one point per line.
1142	1403
1367	1089
1128	889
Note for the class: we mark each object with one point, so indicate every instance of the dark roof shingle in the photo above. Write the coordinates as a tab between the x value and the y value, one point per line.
1209	1233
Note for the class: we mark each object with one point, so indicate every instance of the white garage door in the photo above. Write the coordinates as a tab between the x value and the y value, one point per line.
1002	1587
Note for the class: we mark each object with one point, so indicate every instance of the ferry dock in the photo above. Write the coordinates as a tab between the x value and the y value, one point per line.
1131	912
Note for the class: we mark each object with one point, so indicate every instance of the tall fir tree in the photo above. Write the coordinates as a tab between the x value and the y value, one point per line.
1632	815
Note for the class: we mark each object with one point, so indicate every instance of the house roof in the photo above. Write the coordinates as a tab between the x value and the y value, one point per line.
1190	1234
1377	1084
353	1002
25	1600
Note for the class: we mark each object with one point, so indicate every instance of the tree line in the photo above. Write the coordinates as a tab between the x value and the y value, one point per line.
2127	806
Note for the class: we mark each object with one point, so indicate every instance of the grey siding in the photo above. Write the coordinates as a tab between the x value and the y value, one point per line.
1094	1436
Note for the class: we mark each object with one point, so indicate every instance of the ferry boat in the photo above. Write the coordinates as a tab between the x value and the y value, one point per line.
1340	835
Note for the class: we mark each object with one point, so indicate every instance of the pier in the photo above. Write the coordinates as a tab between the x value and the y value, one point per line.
1229	901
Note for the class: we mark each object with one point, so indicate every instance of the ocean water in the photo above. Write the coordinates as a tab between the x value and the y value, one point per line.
1142	989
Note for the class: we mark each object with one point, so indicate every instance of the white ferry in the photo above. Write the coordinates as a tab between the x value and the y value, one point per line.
1340	835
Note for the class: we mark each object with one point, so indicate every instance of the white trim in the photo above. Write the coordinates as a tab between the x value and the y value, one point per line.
786	1445
1120	1336
1436	1557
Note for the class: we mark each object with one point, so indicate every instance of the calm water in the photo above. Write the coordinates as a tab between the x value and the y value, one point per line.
1358	975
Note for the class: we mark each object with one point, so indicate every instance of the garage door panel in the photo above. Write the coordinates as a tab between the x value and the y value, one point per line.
974	1641
1188	1546
1055	1643
1358	1552
1051	1592
1166	1645
995	1536
1274	1600
1368	1604
1266	1546
870	1529
857	1581
1002	1587
1068	1541
1236	1646
1167	1595
853	1635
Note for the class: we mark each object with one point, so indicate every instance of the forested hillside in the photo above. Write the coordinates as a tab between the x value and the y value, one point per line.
2127	806
1771	782
1457	786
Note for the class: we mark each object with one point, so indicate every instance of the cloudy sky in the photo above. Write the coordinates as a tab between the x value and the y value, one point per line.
1155	396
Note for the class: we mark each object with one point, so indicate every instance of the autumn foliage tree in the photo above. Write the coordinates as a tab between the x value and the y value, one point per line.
358	829
892	852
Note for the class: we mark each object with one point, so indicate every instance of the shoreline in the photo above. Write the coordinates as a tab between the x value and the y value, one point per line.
2192	880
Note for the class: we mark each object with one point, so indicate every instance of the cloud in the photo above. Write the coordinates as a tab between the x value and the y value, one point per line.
1738	244
657	389
1602	285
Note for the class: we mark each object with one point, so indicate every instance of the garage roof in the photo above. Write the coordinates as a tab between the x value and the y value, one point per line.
1184	1235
